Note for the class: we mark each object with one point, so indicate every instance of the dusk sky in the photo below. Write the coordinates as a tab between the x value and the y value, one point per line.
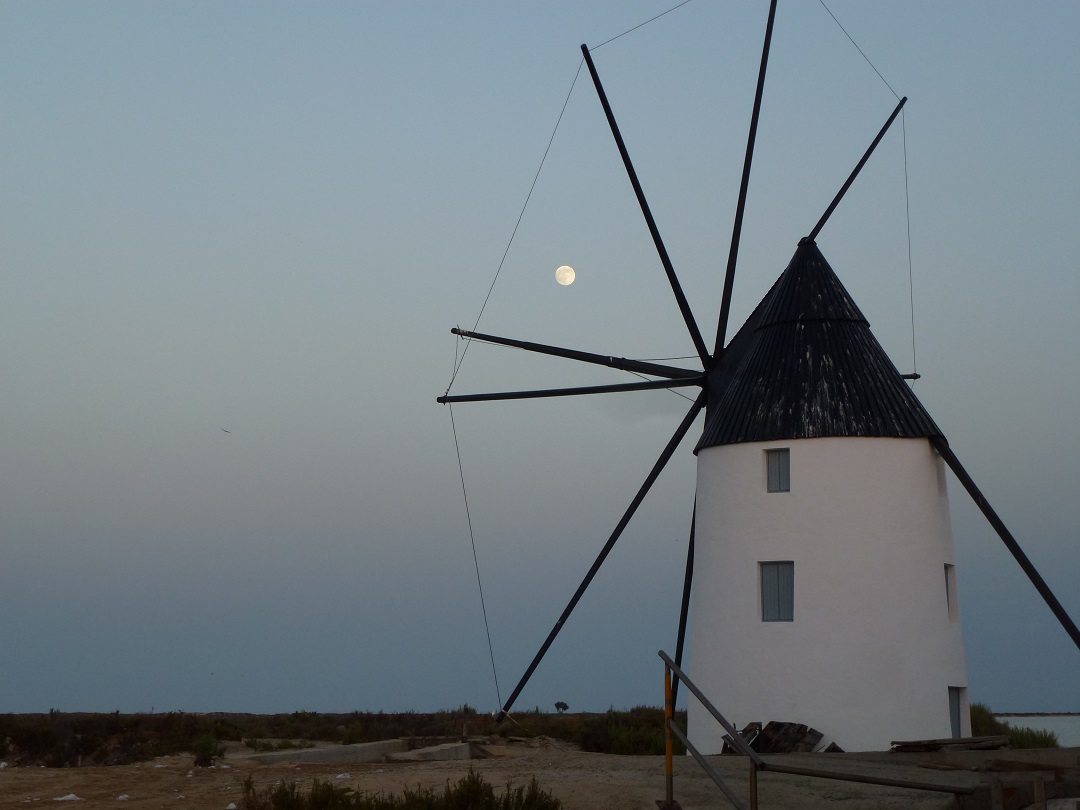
234	238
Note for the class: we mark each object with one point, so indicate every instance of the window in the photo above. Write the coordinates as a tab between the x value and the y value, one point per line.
777	591
778	468
950	593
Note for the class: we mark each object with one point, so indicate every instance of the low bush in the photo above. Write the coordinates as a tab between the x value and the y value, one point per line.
59	739
1022	737
471	793
206	749
638	731
984	724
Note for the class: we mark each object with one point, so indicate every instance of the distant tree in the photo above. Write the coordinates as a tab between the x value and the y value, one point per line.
561	707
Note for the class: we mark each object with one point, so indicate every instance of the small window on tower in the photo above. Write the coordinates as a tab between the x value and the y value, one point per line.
777	591
778	468
950	593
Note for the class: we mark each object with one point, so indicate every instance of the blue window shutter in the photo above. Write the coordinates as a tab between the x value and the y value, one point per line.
770	593
777	591
778	467
786	572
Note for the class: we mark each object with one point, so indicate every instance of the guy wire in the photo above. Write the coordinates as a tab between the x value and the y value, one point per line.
860	50
517	224
532	187
907	195
476	561
639	25
907	212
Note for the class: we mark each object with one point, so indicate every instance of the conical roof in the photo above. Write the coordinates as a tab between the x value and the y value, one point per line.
806	365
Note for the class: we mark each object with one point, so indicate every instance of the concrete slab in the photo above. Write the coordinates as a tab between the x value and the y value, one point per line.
358	752
447	751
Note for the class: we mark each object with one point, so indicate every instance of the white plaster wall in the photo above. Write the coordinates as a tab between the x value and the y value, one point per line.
872	651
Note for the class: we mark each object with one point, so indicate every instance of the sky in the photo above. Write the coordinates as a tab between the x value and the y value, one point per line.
234	238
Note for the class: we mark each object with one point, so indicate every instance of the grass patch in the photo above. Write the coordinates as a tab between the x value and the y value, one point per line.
984	724
638	731
471	793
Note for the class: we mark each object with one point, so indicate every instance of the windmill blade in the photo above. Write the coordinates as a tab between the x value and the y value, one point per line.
851	178
621	363
644	385
654	473
942	446
684	306
684	610
736	233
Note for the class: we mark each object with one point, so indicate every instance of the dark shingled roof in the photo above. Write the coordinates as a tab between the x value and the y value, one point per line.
805	365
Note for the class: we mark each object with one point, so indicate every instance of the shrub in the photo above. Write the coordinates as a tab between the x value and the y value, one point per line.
353	734
471	793
639	731
1022	737
206	749
984	724
60	739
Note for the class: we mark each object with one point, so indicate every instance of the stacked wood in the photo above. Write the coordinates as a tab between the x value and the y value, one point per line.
785	738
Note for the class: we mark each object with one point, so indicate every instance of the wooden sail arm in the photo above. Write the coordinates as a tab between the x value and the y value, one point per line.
858	168
680	298
736	231
654	473
621	363
644	385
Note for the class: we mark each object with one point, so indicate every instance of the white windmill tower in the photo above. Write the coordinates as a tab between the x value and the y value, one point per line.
825	588
825	580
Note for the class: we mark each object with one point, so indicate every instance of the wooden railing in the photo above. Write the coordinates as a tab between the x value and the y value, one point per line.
671	669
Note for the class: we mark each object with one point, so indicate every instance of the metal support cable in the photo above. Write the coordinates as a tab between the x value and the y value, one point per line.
476	560
654	473
860	50
640	25
910	273
517	224
532	187
907	194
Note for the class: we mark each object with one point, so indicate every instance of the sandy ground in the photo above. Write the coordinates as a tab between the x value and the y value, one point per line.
583	781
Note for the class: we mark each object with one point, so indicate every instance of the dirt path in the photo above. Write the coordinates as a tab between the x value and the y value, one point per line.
583	781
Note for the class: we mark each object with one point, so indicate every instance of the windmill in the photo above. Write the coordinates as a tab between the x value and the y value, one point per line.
821	541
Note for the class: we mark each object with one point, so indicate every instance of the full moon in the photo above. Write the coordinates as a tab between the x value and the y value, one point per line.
565	275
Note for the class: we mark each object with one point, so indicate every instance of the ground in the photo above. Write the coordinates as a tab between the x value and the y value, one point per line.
583	781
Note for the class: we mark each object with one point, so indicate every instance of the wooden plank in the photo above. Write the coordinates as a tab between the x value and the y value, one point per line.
951	744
